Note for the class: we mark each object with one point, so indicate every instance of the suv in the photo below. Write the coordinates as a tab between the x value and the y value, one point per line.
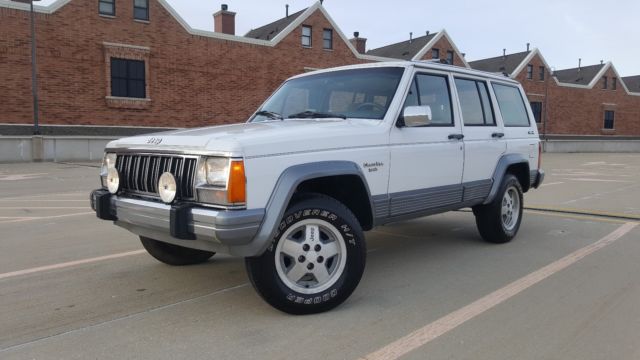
329	155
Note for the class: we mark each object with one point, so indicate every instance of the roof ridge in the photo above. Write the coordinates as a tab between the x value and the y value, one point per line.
258	32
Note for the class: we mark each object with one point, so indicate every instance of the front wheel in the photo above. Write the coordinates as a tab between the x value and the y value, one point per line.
316	259
499	221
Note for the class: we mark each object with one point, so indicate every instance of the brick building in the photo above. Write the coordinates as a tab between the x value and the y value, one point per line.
586	100
103	63
138	63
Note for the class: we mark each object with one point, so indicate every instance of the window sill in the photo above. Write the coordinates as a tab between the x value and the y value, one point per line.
330	50
107	16
128	103
142	21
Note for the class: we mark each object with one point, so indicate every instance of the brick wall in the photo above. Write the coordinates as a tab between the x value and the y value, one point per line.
191	80
580	111
443	45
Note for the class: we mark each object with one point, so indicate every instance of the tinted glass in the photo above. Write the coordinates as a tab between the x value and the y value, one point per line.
433	91
327	36
536	109
106	7
512	108
118	68
136	69
470	104
141	14
359	93
487	107
609	117
119	87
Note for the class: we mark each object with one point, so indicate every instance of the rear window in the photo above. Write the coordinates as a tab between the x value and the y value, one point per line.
511	104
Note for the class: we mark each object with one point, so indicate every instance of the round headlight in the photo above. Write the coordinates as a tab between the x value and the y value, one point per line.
113	180
167	187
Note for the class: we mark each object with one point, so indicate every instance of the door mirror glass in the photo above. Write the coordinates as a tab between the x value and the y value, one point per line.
417	115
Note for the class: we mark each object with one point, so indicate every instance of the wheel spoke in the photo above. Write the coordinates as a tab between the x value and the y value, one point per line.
311	233
321	273
297	272
329	250
292	248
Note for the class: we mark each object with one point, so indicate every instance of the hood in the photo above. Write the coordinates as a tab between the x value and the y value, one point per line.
263	138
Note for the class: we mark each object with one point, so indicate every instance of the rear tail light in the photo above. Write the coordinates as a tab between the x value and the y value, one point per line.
539	155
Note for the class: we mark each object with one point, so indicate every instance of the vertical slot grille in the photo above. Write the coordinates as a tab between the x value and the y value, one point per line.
140	173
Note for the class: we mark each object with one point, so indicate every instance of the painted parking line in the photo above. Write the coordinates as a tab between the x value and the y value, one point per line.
47	217
451	321
553	183
43	207
69	264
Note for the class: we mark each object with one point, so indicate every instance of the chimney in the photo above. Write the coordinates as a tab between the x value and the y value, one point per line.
427	32
504	53
287	11
224	21
528	47
410	37
359	43
601	62
579	64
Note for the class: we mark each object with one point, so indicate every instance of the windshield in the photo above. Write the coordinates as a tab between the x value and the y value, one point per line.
357	93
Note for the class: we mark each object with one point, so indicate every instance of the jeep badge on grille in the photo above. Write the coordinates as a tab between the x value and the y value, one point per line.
154	141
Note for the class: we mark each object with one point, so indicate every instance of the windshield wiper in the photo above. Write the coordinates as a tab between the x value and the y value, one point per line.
313	114
270	114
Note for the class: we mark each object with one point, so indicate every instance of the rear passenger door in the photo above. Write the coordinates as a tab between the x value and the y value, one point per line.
484	141
521	133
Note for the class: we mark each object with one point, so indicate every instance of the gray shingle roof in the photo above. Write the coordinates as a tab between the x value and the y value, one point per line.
269	31
578	76
404	50
500	64
632	82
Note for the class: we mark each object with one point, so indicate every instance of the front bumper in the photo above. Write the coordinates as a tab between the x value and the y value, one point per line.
186	225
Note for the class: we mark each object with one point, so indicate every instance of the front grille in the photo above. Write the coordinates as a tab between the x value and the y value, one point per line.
140	173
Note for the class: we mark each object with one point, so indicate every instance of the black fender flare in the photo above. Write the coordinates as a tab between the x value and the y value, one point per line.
501	169
284	190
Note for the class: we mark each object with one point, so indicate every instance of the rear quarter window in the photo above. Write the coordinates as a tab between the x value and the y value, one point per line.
512	106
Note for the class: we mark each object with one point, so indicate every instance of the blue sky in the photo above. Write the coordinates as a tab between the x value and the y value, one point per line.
564	30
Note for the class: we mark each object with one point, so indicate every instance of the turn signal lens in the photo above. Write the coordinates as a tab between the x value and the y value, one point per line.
237	192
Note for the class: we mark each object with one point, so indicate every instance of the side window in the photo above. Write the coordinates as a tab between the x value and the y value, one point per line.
511	105
474	101
433	90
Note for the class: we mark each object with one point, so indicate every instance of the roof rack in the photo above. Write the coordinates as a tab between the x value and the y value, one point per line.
434	61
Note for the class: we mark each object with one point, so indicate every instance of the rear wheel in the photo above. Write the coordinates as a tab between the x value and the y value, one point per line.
174	254
499	221
316	259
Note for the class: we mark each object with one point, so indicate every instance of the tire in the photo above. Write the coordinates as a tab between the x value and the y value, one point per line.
326	267
173	254
499	221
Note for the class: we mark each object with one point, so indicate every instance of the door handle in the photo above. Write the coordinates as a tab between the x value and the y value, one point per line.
497	135
456	136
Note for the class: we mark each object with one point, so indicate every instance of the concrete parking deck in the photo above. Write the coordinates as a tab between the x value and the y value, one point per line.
75	287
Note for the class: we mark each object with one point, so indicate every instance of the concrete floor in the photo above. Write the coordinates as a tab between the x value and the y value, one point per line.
60	298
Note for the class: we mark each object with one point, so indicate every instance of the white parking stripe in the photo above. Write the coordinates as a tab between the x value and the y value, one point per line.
43	207
47	217
449	322
553	183
69	264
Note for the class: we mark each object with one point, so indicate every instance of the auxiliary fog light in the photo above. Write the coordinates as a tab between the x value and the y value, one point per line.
167	187
113	180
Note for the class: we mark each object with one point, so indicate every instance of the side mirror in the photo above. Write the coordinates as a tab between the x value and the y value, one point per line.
417	116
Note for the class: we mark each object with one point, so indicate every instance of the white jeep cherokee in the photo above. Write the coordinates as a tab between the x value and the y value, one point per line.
329	155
